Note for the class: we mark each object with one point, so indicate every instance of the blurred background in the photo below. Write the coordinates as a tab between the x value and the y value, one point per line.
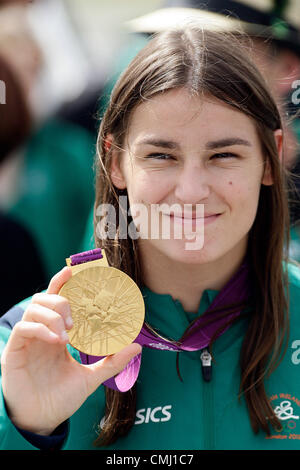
81	41
59	60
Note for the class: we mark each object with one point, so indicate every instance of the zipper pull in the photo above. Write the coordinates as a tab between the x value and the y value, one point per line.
206	359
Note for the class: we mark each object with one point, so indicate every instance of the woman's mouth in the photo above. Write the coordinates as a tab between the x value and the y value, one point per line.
193	219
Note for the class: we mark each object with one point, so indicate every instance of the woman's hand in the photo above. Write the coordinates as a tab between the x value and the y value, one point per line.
42	384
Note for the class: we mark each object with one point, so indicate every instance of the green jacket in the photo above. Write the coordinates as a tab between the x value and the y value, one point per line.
190	414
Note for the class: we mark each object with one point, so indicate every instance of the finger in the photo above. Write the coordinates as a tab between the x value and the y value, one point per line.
23	331
111	365
39	314
59	280
54	302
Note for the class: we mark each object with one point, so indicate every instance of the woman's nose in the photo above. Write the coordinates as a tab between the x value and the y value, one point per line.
192	185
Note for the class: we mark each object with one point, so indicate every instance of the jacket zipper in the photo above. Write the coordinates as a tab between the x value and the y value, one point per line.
208	401
205	358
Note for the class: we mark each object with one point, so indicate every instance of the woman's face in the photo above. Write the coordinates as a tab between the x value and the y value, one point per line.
197	154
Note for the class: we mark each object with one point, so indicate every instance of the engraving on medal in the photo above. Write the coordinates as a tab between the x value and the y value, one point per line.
107	310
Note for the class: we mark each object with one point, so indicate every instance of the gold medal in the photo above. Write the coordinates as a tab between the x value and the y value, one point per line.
107	308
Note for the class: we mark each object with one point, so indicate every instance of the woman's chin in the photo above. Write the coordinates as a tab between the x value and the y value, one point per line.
184	251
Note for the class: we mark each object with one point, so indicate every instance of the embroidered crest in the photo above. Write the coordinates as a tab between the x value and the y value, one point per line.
287	409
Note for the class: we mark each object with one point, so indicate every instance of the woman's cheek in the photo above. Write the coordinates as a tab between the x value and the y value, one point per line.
150	190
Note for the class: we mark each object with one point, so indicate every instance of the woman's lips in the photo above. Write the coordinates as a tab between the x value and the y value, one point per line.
192	223
188	219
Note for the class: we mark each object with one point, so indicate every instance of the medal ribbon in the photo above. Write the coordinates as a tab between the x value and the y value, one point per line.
210	325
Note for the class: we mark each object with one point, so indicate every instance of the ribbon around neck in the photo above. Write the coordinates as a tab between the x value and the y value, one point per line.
210	325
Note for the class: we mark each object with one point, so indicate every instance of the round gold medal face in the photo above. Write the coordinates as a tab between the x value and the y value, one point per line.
107	309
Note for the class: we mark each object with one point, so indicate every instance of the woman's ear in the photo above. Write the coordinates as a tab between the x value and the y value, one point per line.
267	179
116	172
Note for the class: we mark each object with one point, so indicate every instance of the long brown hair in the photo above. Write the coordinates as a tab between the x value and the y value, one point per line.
215	64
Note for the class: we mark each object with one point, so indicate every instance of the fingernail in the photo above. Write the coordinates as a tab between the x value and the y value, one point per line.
69	323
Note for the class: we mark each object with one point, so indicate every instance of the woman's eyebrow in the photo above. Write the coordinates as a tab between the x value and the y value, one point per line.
169	144
227	142
213	144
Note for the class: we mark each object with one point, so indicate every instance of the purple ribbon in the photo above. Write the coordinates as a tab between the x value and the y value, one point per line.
86	256
229	303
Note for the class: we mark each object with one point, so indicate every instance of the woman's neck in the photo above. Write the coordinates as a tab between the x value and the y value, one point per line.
186	282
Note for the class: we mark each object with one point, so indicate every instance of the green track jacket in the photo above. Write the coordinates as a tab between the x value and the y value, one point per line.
190	414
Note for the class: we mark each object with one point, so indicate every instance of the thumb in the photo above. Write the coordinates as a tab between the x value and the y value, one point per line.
58	280
111	365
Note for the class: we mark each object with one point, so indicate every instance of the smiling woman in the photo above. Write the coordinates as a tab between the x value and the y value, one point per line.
191	121
193	135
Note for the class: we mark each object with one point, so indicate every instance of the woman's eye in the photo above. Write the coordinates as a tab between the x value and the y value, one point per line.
159	156
224	155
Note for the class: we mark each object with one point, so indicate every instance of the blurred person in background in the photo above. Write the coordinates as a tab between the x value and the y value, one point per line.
49	185
21	266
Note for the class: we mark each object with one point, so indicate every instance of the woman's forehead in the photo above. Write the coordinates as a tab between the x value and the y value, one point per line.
177	111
